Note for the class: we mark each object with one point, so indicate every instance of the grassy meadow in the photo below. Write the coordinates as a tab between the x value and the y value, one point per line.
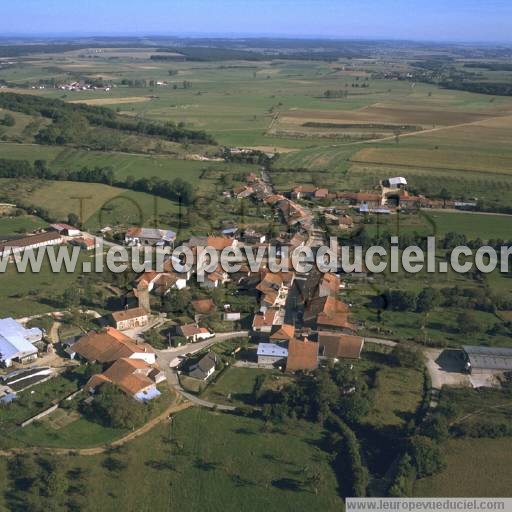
235	385
177	466
439	223
11	226
31	293
475	468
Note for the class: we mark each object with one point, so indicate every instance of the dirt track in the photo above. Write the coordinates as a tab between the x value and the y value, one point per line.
173	409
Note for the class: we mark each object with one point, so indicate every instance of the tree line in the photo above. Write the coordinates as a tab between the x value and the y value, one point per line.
337	398
176	190
423	454
70	119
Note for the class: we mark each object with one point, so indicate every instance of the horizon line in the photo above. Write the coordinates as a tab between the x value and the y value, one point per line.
248	36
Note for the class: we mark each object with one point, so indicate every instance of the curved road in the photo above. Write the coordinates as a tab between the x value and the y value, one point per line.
165	357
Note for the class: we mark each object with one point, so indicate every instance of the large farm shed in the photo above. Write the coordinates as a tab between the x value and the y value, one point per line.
486	359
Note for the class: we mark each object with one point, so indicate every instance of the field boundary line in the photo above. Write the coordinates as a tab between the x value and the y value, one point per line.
428	169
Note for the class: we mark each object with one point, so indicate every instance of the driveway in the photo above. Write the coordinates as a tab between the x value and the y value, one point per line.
191	348
136	332
445	370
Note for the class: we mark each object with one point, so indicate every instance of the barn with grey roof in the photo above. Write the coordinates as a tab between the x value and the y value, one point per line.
486	359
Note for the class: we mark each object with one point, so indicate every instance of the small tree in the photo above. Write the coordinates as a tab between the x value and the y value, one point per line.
435	427
8	120
468	323
428	299
426	455
73	219
405	356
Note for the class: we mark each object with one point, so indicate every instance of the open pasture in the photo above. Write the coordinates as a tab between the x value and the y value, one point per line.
438	223
99	205
437	159
18	225
475	467
237	101
31	293
176	463
124	164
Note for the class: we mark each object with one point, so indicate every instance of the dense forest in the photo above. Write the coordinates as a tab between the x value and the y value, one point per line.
493	88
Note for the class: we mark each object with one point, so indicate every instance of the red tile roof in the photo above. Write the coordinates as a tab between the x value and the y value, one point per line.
302	355
336	345
265	319
131	375
108	346
285	332
128	314
219	242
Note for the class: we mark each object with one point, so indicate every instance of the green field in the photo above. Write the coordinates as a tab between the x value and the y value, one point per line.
397	395
31	293
485	227
476	467
97	205
124	164
235	385
10	226
205	457
438	223
80	433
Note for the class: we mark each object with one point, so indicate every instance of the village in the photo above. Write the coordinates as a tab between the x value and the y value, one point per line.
293	322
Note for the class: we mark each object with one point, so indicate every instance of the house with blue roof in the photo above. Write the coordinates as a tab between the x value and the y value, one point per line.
17	342
271	353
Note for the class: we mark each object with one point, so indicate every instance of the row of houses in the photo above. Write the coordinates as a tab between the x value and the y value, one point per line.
326	329
392	196
303	353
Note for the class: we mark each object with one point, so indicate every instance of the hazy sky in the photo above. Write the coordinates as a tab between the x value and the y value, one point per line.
462	20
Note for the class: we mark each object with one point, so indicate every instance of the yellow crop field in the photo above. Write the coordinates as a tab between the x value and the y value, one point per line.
113	101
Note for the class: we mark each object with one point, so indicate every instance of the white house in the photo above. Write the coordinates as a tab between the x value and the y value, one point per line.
397	182
194	333
65	229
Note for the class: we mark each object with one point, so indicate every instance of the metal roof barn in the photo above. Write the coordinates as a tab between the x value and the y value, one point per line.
488	358
16	341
